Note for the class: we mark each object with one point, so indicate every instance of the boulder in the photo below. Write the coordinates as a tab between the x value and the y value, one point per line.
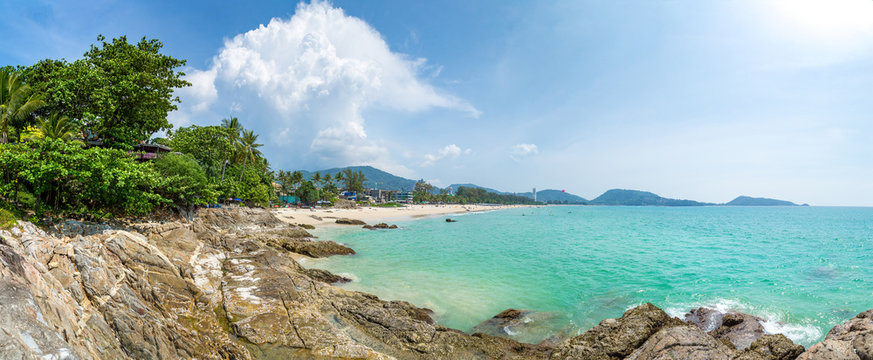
685	342
325	276
313	248
346	221
616	338
771	347
497	325
739	329
851	340
704	318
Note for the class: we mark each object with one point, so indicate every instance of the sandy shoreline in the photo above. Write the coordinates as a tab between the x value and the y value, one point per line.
327	217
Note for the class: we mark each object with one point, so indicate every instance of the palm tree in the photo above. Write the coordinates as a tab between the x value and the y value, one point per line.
57	126
296	178
248	149
316	178
15	102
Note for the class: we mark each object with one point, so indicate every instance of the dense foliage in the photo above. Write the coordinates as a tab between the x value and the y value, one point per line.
184	182
74	125
64	177
119	92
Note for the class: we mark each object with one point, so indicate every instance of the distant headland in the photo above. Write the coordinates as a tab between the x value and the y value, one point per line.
379	179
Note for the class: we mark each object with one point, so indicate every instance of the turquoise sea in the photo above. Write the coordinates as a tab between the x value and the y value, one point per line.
805	269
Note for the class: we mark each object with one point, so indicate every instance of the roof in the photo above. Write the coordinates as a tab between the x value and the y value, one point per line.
152	147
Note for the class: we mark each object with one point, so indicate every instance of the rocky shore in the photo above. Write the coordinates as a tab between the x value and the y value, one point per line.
226	285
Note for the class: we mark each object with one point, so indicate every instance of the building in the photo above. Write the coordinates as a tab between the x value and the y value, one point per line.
403	197
380	196
146	152
535	194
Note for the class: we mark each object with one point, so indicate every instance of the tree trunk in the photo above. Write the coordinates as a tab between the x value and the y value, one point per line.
243	170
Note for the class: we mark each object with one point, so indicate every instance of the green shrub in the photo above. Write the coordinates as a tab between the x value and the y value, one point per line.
7	219
184	182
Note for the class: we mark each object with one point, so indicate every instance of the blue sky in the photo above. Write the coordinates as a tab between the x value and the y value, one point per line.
703	100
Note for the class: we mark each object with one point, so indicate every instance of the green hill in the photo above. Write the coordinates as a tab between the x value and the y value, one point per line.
753	201
376	178
639	198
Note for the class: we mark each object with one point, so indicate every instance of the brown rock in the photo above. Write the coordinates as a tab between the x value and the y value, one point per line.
685	342
739	329
346	221
771	347
325	276
616	338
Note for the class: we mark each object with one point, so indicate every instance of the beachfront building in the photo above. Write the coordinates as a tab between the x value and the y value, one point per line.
146	152
380	196
403	197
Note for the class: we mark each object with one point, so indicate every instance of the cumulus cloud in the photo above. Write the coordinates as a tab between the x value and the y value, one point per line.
451	151
305	82
523	150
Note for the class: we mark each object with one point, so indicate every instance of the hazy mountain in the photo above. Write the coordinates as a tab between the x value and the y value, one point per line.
639	198
556	197
753	201
376	178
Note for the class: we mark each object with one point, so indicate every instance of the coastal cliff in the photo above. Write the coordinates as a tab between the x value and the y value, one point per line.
226	286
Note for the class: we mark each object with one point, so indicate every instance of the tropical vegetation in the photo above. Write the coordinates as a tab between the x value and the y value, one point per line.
68	130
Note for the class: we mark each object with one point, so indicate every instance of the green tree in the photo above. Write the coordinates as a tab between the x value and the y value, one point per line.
307	193
422	191
65	177
209	145
16	102
184	182
296	178
353	180
120	92
316	179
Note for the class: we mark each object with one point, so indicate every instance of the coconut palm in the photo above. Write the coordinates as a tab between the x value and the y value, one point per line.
235	127
15	102
248	149
57	126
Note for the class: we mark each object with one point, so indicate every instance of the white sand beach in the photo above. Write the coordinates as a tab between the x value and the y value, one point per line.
372	215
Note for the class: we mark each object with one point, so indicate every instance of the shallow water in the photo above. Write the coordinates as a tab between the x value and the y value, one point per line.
805	269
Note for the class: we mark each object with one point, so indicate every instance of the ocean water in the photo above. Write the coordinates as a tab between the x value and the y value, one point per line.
804	269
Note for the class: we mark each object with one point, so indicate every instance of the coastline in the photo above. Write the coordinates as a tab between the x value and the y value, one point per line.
226	285
326	217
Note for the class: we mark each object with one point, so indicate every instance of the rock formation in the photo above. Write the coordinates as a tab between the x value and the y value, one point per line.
344	221
226	286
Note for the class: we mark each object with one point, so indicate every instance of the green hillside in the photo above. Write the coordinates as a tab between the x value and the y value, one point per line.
753	201
639	198
376	178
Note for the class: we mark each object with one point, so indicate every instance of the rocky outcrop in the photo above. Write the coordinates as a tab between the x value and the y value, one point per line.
616	338
739	329
850	340
379	226
497	325
771	347
215	288
682	342
226	286
345	221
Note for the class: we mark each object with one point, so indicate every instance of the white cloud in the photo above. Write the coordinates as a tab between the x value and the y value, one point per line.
451	151
305	82
523	150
